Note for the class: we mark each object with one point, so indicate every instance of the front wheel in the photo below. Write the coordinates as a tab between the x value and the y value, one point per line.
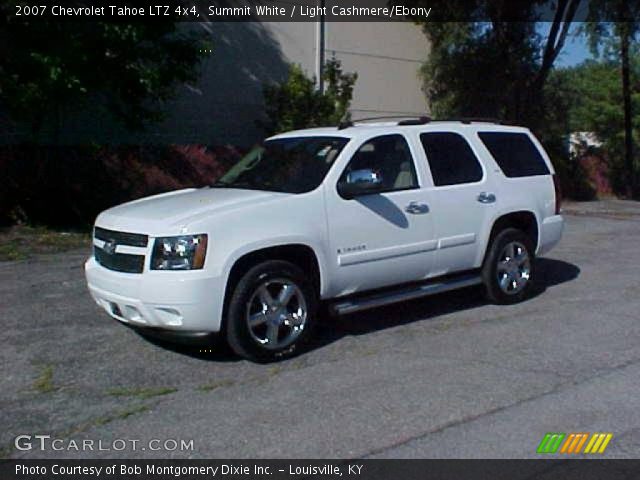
508	270
271	312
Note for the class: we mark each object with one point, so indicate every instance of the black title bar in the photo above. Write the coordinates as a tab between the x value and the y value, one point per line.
306	10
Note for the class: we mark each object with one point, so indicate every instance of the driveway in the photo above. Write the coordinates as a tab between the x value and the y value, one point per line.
446	376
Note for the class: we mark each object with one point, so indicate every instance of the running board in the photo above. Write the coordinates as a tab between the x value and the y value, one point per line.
400	295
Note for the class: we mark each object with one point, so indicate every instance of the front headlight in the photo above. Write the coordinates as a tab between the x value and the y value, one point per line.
185	252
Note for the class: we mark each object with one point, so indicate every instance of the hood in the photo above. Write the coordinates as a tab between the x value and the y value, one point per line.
165	213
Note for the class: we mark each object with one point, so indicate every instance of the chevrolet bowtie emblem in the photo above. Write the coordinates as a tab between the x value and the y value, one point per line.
110	247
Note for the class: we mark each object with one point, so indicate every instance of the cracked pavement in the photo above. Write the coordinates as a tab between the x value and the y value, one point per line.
448	376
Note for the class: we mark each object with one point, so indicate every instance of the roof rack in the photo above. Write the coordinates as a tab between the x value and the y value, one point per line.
468	120
408	120
415	121
422	120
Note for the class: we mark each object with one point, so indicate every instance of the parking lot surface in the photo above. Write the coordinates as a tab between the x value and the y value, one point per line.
445	376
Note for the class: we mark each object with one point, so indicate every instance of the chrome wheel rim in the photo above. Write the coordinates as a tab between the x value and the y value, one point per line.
276	314
514	268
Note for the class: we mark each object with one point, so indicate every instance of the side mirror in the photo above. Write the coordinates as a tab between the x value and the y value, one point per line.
360	182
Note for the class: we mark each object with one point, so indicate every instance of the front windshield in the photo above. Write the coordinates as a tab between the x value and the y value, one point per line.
291	165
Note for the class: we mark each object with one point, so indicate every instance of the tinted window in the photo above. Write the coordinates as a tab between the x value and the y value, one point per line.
389	156
515	153
450	158
292	165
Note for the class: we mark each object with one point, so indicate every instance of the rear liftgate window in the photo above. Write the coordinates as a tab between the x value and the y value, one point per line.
515	153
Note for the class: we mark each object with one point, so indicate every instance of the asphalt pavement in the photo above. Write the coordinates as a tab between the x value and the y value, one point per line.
448	376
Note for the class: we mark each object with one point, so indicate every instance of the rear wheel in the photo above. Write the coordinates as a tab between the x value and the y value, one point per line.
508	270
271	312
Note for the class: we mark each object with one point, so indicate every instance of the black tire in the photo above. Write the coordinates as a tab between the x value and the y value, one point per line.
495	260
246	296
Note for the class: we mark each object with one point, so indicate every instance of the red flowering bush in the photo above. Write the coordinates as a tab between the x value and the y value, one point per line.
69	186
597	172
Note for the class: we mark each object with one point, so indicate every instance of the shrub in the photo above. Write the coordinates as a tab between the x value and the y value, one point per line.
69	186
297	103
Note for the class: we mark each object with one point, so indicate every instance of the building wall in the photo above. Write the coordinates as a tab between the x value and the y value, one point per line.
226	103
387	57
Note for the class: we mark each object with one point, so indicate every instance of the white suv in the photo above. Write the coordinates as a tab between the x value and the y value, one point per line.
356	217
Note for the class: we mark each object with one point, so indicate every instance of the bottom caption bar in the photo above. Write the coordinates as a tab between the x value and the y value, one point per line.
582	469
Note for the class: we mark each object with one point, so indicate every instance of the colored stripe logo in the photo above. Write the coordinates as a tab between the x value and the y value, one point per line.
573	443
598	443
550	442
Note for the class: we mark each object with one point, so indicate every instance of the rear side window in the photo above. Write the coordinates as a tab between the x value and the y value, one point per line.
515	153
450	158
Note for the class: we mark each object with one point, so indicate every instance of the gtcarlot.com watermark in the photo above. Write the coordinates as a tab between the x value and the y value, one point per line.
47	442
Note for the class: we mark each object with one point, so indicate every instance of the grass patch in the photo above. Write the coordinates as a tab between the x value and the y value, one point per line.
21	241
10	252
102	420
44	382
120	415
142	393
215	385
6	451
367	351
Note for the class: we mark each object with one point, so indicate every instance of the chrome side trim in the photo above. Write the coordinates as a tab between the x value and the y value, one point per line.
386	253
415	291
457	240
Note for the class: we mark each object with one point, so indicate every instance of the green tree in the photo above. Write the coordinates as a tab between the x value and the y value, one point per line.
496	64
619	36
49	67
588	98
296	103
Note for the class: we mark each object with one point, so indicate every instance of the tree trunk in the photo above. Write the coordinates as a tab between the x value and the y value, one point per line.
628	129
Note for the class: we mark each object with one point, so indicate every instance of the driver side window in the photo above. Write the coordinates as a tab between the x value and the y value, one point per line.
389	157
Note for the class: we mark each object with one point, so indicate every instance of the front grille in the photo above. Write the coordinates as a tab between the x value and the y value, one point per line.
121	238
120	262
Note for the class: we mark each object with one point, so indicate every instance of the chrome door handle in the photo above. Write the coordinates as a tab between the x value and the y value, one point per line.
417	208
486	197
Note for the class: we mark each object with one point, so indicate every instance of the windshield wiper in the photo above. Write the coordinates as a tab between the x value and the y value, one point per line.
220	184
243	184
